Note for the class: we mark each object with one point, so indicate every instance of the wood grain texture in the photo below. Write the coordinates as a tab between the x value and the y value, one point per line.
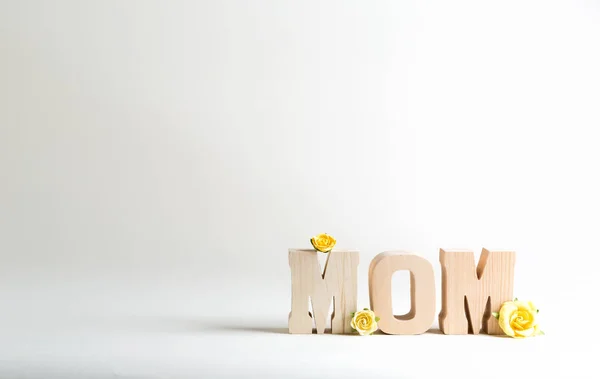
422	292
470	294
338	282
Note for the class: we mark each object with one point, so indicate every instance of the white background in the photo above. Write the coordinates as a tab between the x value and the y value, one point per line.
157	160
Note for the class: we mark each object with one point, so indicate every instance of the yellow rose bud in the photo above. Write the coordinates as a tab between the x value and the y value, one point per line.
323	242
364	322
518	319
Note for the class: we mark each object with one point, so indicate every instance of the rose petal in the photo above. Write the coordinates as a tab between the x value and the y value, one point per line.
525	333
508	308
516	327
505	326
522	305
505	316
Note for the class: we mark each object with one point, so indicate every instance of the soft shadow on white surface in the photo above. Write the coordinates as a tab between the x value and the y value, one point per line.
194	326
283	330
251	329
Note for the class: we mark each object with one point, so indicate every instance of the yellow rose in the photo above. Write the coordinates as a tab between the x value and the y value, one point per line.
518	319
364	322
323	242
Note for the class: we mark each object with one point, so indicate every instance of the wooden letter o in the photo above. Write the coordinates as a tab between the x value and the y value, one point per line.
422	284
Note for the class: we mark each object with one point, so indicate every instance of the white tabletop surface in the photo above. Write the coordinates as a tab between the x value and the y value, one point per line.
176	326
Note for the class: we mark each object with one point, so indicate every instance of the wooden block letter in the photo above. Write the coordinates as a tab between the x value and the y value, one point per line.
470	295
422	285
338	281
